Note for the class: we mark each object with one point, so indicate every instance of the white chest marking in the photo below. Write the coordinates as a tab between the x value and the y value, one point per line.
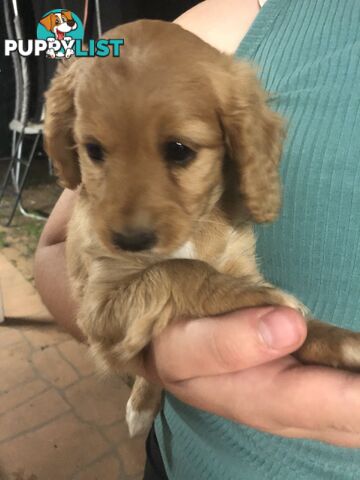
185	251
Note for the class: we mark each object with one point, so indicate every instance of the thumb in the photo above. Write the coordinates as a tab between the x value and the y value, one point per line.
225	344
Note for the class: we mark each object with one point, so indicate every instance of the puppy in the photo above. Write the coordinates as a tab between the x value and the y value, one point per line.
176	155
59	24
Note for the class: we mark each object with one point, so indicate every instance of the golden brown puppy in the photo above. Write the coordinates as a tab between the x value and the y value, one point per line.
176	153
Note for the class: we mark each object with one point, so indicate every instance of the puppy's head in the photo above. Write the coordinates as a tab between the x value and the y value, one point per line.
157	136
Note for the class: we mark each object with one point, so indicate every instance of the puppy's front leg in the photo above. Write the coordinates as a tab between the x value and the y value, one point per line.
120	315
331	346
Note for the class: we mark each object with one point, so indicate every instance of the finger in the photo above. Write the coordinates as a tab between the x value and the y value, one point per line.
285	398
228	343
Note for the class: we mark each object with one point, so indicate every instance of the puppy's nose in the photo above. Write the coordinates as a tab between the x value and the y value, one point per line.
71	23
134	241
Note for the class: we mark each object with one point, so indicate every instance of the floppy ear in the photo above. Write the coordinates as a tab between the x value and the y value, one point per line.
47	21
254	137
59	123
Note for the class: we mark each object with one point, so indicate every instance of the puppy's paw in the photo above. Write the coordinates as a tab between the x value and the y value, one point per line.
289	300
330	346
138	421
350	353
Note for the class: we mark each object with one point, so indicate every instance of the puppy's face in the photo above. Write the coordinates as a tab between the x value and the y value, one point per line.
151	130
150	150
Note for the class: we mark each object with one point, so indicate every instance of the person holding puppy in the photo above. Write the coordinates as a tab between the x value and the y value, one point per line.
238	366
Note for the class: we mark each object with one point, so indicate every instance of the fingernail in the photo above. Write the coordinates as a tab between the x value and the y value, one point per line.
278	330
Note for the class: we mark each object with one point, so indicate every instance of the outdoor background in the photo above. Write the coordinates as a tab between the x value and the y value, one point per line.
58	419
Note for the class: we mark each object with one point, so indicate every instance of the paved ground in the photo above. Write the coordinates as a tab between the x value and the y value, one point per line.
18	243
58	419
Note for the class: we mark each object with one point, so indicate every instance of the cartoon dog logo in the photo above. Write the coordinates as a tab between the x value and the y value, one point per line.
59	24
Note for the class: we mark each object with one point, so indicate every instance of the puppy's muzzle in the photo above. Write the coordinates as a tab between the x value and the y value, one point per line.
134	241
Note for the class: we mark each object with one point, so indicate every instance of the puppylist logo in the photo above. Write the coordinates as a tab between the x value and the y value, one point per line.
60	35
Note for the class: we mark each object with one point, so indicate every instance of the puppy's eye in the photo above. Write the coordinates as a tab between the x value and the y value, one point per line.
176	153
95	152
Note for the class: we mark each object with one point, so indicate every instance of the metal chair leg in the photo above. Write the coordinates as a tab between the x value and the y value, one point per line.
28	214
17	168
7	177
23	179
12	163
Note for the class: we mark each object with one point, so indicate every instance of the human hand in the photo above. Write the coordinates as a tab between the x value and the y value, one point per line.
225	365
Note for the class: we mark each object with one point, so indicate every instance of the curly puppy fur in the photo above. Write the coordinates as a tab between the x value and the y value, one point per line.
168	86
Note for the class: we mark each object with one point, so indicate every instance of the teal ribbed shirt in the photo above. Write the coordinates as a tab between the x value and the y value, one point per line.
308	58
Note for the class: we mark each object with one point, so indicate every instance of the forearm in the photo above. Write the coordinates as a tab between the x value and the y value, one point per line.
53	285
50	271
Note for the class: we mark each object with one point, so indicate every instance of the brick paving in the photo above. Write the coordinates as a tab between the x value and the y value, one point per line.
58	419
